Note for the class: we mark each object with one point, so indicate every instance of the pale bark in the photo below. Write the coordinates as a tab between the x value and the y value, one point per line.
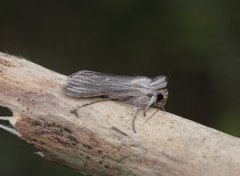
98	139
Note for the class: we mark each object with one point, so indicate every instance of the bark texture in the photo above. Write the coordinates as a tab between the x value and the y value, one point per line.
98	139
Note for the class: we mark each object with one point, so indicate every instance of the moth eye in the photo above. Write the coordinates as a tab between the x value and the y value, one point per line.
159	97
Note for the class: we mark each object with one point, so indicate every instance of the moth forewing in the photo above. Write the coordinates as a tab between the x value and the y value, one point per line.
139	91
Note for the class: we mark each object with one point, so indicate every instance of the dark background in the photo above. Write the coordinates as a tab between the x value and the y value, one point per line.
195	43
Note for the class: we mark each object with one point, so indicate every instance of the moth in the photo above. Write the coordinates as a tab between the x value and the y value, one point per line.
140	91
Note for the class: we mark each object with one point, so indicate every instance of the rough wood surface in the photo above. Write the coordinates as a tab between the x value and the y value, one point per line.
99	140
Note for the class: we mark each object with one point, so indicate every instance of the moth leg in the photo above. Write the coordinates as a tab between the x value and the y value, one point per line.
134	119
93	102
151	102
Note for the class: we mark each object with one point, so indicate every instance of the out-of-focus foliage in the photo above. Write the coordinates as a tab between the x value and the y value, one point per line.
195	43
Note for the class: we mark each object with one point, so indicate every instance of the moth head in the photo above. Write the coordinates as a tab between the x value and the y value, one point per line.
161	99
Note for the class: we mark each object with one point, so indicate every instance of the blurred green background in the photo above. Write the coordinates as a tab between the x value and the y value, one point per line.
195	43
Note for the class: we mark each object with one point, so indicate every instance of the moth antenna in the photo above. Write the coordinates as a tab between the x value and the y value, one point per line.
150	117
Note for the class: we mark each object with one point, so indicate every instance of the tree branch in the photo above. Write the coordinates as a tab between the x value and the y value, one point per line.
98	139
